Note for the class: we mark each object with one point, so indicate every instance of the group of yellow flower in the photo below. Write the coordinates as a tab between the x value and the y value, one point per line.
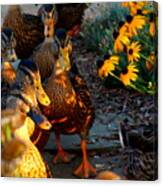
128	43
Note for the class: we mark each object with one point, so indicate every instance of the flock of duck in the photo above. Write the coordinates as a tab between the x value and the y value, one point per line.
42	90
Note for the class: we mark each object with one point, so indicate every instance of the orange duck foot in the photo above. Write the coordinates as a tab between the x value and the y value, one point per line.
85	170
62	157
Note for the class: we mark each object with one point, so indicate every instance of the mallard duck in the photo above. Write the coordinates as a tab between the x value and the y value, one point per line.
25	87
69	16
27	91
20	157
74	113
141	149
8	55
28	30
46	53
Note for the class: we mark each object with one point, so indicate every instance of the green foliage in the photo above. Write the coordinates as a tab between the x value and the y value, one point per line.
97	33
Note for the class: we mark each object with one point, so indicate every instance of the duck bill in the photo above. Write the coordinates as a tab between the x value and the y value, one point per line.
12	55
39	119
42	97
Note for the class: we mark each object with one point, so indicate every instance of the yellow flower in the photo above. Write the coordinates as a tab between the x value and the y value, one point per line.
134	23
123	29
133	51
134	6
129	74
108	66
121	40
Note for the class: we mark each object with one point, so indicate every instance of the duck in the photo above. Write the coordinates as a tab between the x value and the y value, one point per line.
27	92
140	146
69	16
69	93
18	151
8	56
47	51
26	88
28	30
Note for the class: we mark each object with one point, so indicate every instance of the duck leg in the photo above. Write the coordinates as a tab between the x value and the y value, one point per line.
61	155
85	169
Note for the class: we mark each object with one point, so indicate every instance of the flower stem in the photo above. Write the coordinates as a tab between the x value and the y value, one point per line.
144	57
116	77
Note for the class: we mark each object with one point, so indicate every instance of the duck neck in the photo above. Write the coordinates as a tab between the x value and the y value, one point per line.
58	70
49	31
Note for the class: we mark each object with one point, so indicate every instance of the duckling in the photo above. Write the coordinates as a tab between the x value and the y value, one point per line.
74	113
28	30
46	53
20	157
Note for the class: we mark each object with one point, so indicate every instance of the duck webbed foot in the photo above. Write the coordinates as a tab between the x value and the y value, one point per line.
61	156
85	169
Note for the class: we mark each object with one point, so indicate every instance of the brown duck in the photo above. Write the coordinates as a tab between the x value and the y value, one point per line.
28	30
18	152
71	110
69	16
47	51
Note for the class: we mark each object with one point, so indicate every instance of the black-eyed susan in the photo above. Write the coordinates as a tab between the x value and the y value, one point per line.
122	28
121	39
134	23
129	74
108	66
151	61
134	6
133	51
152	26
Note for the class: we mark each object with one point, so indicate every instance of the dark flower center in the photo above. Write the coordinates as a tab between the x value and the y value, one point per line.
125	70
100	63
121	23
106	56
139	12
125	49
115	34
130	51
129	18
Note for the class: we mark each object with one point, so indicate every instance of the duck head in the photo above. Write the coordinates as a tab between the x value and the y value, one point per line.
8	44
49	16
31	69
65	49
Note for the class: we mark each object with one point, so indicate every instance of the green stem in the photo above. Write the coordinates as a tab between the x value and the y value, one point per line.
145	43
144	57
116	77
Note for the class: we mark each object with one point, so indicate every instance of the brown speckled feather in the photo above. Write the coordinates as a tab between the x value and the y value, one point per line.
70	15
28	30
